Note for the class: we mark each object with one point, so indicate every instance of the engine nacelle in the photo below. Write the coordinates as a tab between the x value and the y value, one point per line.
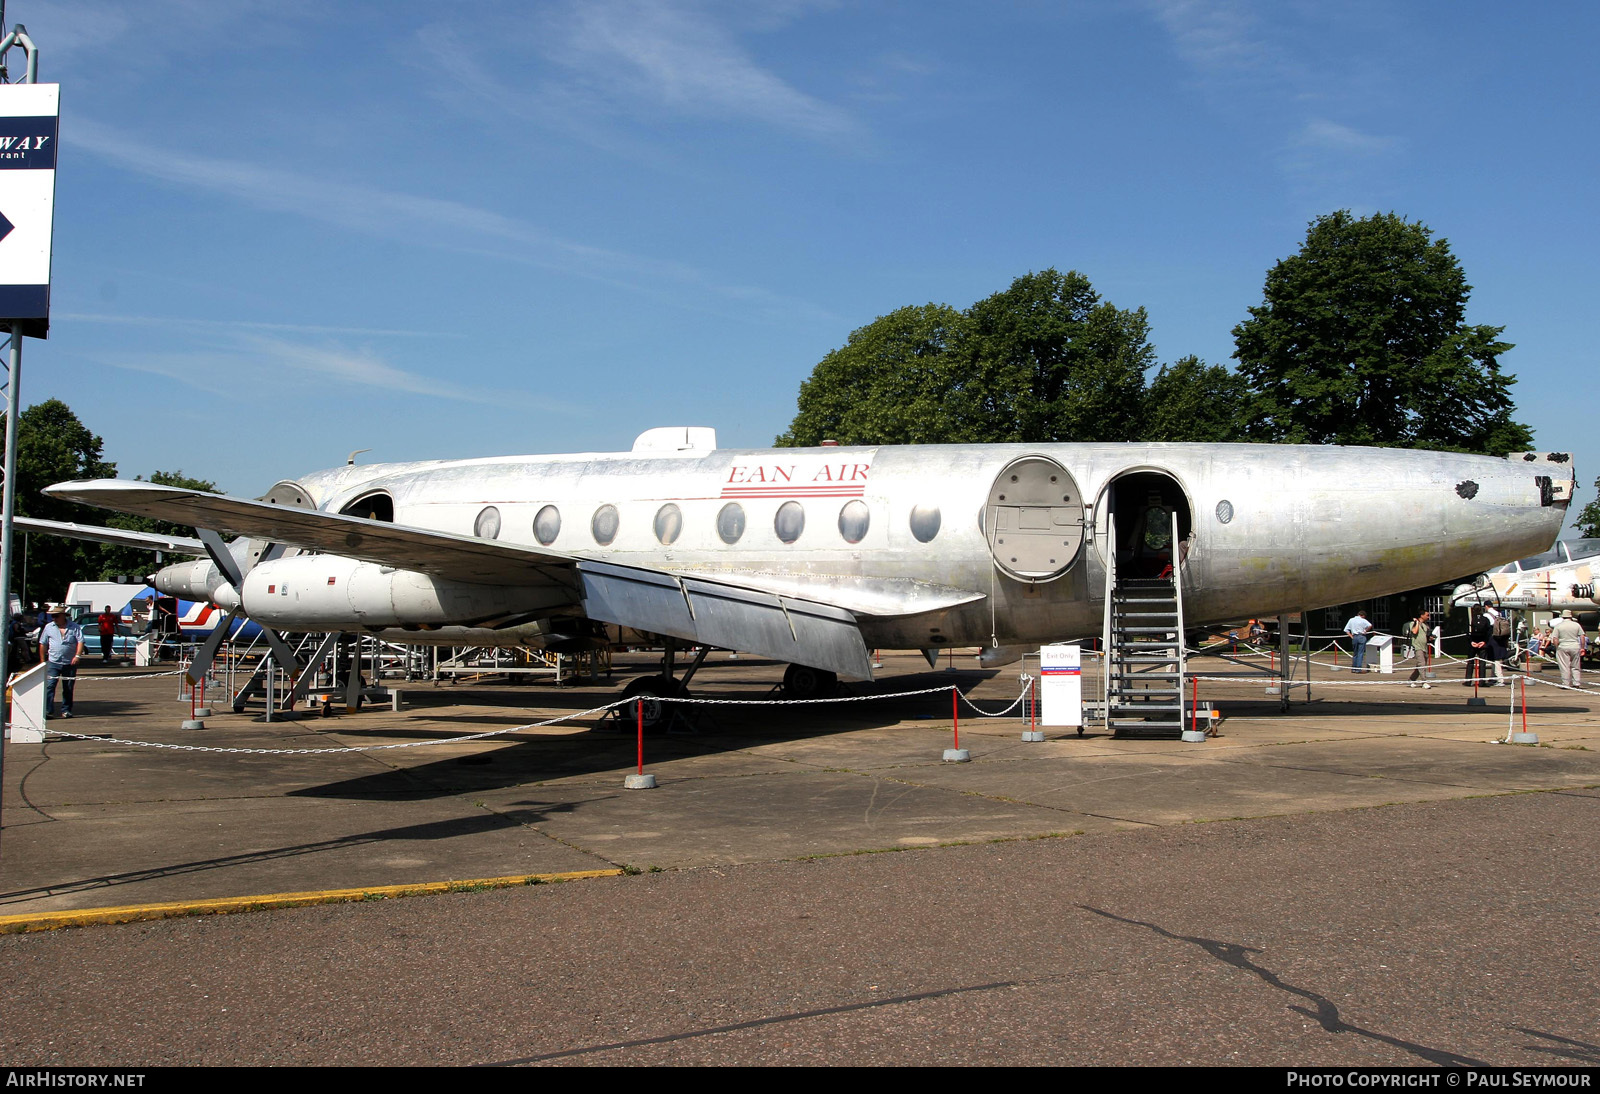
197	580
328	592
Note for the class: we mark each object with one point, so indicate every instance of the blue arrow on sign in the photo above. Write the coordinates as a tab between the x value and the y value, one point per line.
6	226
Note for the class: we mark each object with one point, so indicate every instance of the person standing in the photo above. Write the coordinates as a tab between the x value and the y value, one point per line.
1499	631
1359	630
108	632
1420	629
1478	636
60	647
1568	638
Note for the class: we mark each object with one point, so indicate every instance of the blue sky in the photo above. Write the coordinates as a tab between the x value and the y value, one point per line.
288	230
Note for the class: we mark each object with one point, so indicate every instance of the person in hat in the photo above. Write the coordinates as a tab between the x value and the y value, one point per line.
60	648
1568	638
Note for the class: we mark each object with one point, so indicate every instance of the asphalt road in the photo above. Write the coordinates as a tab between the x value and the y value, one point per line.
1447	932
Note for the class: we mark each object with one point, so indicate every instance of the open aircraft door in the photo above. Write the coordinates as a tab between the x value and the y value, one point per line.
1034	519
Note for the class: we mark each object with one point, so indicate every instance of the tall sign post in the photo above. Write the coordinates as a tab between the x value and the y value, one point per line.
30	114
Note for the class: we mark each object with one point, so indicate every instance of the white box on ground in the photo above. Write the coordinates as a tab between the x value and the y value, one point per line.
1061	685
1383	646
27	706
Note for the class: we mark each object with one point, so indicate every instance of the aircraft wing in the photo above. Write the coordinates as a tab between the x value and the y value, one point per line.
438	554
791	620
123	537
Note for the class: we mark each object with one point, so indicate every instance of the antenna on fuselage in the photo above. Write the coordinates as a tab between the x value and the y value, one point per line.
351	459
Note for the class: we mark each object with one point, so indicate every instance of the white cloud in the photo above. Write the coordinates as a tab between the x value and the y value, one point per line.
414	219
228	361
678	57
245	325
1322	135
611	60
1219	38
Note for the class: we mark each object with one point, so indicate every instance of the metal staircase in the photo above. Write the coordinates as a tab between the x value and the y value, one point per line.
1144	673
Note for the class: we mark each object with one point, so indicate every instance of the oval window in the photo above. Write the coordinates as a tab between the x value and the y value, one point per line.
487	526
547	525
925	522
730	522
790	521
669	523
604	525
853	521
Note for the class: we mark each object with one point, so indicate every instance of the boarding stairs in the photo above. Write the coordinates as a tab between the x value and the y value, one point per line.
1145	665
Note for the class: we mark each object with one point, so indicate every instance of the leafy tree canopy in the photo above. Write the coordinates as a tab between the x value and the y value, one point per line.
1190	400
54	446
1362	339
1588	521
133	561
1044	360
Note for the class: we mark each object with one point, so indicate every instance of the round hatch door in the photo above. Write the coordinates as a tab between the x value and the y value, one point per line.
1034	519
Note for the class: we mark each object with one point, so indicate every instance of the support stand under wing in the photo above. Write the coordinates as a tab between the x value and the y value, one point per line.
802	632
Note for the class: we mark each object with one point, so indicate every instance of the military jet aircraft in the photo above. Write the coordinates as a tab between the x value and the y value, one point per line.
1562	578
814	556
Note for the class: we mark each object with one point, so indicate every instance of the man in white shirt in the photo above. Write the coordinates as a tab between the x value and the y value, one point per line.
1567	636
1358	629
60	647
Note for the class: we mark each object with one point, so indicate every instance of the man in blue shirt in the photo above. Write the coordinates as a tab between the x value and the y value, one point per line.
1358	629
60	647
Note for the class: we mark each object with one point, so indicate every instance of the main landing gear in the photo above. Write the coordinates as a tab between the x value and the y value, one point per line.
658	715
805	682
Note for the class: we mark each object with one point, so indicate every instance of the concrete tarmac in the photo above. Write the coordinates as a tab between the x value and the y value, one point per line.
1381	884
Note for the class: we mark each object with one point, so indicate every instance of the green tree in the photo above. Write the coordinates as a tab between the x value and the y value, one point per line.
54	446
1190	400
885	385
1362	339
1043	360
1047	360
1588	520
136	562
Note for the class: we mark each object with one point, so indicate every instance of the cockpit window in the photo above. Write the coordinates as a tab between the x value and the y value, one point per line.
1581	548
1535	561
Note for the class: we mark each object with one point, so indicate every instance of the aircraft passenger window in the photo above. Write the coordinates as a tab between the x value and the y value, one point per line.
853	521
669	523
487	526
925	522
790	521
547	525
730	522
604	525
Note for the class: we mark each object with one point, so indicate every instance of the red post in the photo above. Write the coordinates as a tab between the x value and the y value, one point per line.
1033	709
1524	682
1194	706
955	715
1477	671
638	706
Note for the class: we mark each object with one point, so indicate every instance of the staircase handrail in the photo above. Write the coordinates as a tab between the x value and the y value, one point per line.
1177	593
1105	634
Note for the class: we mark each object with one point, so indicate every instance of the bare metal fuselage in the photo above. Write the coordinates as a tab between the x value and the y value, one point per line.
1268	528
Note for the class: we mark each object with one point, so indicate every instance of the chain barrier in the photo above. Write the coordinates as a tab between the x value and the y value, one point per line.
599	710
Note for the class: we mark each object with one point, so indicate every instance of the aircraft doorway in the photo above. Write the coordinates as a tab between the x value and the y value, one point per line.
1143	504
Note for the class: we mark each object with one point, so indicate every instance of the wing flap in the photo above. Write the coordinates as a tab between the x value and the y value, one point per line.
727	615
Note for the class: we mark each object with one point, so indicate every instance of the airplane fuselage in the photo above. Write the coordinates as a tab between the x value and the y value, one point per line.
910	539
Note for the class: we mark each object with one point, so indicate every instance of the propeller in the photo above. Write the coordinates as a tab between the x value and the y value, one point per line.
228	566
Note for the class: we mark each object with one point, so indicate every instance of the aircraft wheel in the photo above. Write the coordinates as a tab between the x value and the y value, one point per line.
656	713
805	682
